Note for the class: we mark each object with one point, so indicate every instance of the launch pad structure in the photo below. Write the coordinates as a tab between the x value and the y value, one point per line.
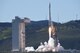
18	33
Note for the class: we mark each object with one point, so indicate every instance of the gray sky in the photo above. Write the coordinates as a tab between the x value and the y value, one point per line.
62	10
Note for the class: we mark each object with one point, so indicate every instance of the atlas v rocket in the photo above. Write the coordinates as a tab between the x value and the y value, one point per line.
52	28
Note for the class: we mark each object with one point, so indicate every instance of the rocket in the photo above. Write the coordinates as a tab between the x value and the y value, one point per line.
52	29
50	22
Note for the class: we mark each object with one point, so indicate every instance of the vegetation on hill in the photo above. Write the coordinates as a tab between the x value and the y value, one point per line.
37	31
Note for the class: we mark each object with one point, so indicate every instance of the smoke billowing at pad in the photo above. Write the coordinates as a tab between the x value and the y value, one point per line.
46	47
53	42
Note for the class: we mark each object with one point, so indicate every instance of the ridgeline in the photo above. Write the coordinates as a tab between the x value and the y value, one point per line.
37	31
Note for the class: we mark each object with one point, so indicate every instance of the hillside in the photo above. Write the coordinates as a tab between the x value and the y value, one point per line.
37	31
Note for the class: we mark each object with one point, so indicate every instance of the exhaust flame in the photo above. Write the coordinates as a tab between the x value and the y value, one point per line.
49	32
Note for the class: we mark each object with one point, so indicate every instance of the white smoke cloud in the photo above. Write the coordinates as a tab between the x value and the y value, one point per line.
47	46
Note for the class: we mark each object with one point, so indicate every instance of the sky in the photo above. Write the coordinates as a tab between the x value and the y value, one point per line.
36	10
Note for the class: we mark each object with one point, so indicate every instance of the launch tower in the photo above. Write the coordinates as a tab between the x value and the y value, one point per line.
18	33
